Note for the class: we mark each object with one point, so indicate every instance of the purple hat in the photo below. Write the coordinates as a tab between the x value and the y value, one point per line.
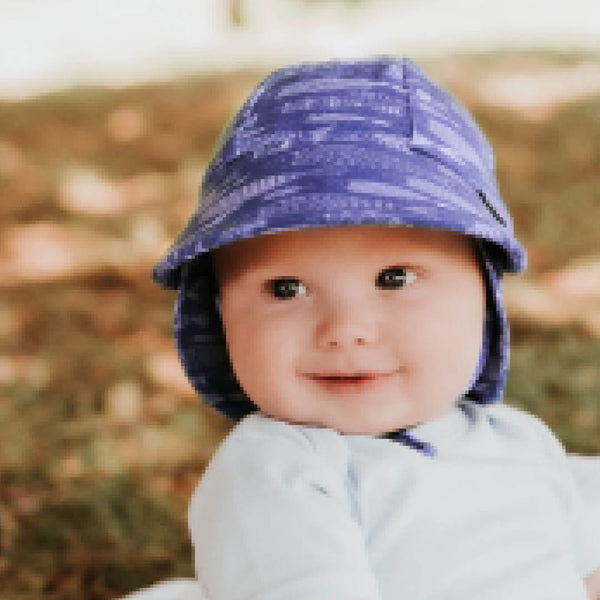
337	143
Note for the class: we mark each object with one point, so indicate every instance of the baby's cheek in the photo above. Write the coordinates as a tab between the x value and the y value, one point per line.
446	348
462	356
263	347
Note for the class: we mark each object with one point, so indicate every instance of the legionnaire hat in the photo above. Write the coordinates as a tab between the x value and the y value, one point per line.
332	144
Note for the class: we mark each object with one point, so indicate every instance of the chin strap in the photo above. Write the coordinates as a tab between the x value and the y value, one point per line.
403	436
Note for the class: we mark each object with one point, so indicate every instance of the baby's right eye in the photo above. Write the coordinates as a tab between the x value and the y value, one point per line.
395	277
285	288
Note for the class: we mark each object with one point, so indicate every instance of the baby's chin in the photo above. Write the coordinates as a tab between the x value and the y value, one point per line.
344	427
351	413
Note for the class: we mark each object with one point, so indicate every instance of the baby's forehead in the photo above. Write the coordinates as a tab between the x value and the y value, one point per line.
344	244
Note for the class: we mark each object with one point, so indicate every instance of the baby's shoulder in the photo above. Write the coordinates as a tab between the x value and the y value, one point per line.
260	437
263	457
259	425
523	428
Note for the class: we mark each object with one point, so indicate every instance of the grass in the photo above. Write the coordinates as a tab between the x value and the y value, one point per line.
95	543
554	374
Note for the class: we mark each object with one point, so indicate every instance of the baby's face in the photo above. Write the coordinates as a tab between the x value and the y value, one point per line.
363	329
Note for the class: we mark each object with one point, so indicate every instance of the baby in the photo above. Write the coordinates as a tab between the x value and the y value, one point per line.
340	298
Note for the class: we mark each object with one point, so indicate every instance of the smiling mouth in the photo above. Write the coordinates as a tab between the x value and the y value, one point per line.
349	382
347	378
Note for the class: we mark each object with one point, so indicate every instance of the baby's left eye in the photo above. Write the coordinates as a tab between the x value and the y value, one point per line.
395	277
284	288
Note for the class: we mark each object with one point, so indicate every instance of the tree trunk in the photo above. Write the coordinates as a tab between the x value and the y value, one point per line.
235	13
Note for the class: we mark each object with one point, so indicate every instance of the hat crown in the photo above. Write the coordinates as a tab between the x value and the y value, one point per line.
386	102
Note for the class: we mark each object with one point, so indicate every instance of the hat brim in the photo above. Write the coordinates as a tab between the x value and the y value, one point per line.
424	193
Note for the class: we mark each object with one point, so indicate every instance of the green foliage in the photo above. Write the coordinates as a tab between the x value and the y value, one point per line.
554	374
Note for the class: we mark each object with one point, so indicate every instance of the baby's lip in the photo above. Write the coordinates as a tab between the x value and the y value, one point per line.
346	375
350	382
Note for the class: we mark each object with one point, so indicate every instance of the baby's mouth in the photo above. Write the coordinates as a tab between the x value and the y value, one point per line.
345	378
350	382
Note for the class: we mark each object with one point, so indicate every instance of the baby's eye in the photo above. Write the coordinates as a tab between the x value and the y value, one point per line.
286	287
395	277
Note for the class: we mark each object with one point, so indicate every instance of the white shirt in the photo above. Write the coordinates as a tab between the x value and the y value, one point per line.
296	512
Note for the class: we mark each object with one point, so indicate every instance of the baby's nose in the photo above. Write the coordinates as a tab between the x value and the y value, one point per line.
345	326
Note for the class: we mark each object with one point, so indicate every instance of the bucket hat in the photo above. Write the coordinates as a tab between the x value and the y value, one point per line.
330	144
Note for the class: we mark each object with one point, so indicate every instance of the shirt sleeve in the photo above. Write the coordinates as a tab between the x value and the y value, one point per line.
584	526
271	518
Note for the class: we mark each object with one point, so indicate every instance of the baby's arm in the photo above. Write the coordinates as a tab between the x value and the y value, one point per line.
271	518
592	581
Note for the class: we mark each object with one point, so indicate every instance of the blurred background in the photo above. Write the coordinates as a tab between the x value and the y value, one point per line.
108	114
